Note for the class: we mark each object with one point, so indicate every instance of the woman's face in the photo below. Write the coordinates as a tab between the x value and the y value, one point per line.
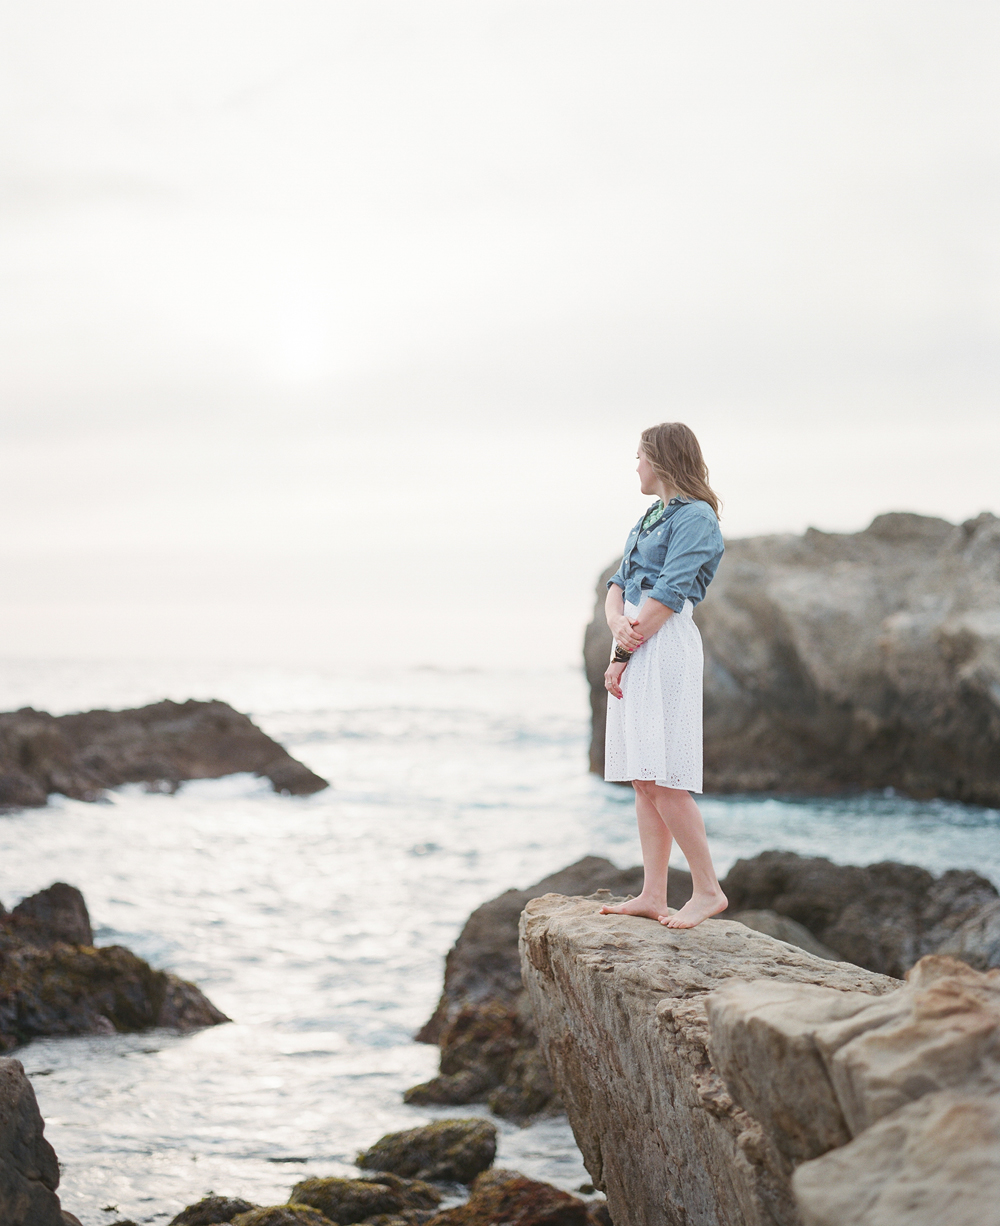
647	477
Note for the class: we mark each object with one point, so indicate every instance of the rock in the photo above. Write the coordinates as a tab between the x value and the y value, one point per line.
355	1200
933	1162
864	660
883	917
161	745
619	1005
489	1052
29	1172
892	1106
781	928
212	1210
513	1199
447	1150
282	1215
56	914
66	989
976	940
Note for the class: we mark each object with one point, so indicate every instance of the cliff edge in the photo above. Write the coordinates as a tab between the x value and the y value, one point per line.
719	1077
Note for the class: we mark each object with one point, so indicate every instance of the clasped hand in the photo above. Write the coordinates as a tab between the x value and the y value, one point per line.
626	634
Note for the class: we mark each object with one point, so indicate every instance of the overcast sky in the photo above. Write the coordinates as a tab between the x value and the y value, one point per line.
329	328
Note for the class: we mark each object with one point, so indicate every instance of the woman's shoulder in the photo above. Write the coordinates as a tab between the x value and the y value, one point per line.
695	508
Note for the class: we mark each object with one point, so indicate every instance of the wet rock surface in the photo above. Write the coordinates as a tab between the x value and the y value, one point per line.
29	1172
511	1198
160	745
890	1108
447	1150
358	1200
620	1009
832	661
483	1024
52	986
883	917
212	1211
282	1215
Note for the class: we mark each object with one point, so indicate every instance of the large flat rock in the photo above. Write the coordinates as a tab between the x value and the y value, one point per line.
620	1009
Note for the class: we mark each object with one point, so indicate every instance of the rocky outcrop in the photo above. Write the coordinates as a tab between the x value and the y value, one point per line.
620	1010
448	1150
888	1109
883	917
835	661
29	1172
483	1025
160	745
53	984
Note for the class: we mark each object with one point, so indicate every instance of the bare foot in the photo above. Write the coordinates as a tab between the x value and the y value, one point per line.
699	907
650	908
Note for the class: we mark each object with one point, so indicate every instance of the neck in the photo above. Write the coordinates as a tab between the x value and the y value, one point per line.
666	492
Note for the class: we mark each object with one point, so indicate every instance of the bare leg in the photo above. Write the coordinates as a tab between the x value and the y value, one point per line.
656	843
684	821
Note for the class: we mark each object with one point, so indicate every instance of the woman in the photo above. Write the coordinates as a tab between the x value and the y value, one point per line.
654	736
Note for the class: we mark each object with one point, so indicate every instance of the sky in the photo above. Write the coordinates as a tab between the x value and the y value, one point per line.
327	330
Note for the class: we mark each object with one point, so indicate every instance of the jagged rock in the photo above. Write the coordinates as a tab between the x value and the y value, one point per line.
162	745
883	917
56	914
892	1106
55	988
356	1200
489	1052
449	1150
619	1004
784	929
211	1211
832	660
29	1172
282	1215
513	1199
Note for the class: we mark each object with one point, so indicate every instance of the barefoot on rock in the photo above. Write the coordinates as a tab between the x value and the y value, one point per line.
698	908
649	908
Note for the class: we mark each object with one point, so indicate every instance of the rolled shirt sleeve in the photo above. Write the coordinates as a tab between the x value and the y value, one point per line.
694	542
618	577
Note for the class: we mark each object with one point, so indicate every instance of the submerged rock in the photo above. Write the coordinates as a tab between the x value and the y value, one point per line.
511	1198
447	1150
620	1010
49	986
161	745
832	661
212	1211
890	1108
355	1200
483	1025
29	1172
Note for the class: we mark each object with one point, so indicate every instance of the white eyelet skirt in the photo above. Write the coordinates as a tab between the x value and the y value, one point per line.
655	728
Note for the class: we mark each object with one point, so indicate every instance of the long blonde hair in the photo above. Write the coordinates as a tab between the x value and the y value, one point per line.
675	456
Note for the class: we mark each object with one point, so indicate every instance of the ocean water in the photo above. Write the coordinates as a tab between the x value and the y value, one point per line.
320	924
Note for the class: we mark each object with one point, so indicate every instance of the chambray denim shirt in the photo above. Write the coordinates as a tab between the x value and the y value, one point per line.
673	560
